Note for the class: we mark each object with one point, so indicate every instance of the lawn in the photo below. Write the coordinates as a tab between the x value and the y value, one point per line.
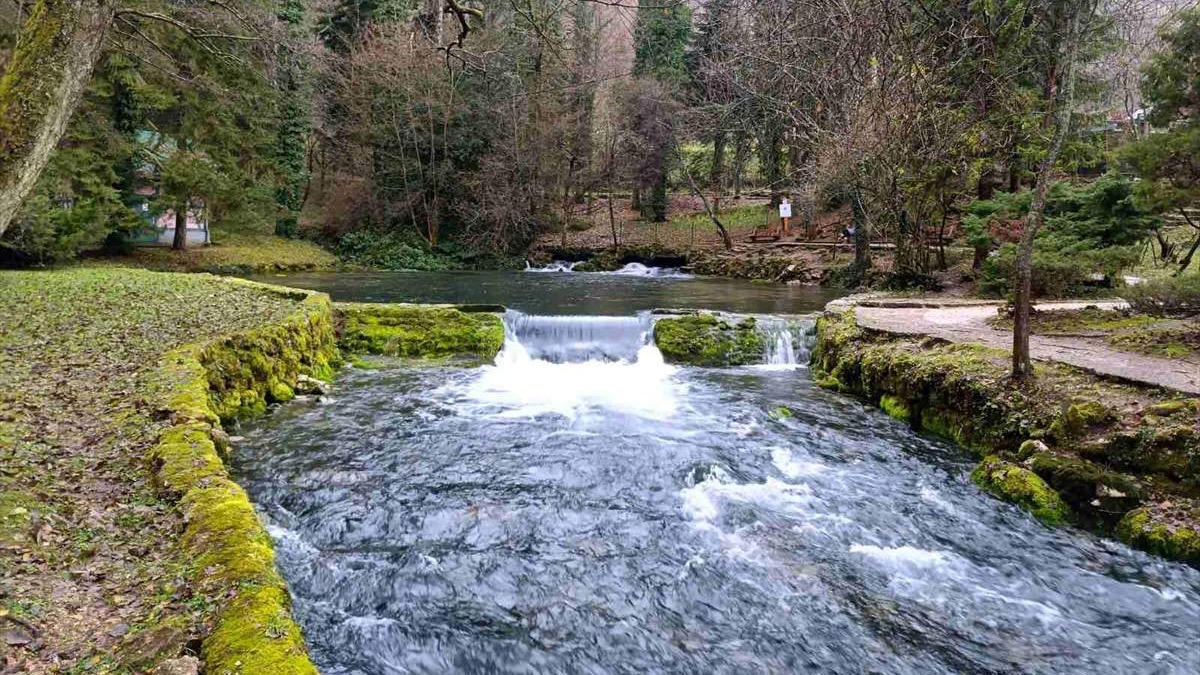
231	253
89	559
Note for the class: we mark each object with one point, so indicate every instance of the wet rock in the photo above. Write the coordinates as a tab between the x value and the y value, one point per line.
1021	487
1170	529
706	340
306	385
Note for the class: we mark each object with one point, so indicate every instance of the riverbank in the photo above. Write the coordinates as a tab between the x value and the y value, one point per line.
1072	447
126	546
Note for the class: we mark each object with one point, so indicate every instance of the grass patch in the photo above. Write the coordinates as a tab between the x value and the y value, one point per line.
231	253
736	219
1076	321
1174	343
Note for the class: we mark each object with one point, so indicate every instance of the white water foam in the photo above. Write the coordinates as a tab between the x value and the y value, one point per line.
633	269
639	270
903	559
523	385
790	467
556	266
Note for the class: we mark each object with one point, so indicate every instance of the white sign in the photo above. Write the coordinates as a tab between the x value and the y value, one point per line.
785	209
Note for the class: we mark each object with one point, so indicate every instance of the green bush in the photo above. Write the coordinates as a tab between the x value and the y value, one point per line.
1056	274
1173	296
394	251
1092	228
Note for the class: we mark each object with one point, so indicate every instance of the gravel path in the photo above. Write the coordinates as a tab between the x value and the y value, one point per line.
967	323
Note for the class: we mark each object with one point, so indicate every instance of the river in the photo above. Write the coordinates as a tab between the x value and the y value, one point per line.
594	510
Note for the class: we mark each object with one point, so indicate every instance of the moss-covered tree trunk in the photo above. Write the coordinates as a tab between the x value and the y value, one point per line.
46	77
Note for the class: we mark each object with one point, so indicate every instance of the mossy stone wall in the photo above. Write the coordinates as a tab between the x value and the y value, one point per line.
231	552
1134	475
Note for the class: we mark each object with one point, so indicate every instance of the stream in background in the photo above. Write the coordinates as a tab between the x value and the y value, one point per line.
581	507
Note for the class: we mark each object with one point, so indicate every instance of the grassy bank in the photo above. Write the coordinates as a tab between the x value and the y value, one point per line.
1070	447
108	565
231	253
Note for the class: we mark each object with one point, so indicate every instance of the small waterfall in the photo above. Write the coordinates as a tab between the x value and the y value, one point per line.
786	342
573	339
556	266
634	269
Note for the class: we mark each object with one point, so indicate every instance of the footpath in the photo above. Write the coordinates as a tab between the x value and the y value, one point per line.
966	321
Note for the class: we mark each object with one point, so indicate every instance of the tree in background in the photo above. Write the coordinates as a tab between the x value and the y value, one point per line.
1167	161
295	118
1067	24
660	45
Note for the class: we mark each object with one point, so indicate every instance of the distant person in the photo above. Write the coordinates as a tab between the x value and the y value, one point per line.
848	233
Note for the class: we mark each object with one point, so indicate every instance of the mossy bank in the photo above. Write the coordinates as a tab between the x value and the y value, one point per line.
129	549
1070	448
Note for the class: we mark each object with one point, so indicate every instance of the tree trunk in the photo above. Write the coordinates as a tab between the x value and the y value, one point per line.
181	217
1187	259
39	91
726	240
1058	118
716	173
862	235
739	162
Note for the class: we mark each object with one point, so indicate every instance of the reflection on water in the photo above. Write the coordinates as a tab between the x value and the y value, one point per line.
626	516
563	293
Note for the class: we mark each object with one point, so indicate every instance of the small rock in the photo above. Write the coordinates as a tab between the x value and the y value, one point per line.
310	385
16	637
184	665
119	630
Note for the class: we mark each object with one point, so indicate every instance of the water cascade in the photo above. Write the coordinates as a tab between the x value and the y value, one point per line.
567	339
781	346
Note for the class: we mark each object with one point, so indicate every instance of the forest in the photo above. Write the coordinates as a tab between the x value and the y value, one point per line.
431	134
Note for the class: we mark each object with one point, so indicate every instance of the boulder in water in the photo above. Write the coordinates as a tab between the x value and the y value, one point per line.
1022	487
706	340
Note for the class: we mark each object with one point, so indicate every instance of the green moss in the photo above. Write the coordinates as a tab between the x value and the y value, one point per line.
248	370
419	331
1169	408
1087	486
16	513
706	340
895	407
223	538
1079	417
185	457
781	413
1023	488
1171	530
255	634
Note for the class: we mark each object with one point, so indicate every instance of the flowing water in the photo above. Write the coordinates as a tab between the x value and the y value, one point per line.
562	292
581	507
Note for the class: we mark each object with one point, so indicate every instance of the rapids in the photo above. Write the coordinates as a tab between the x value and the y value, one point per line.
579	506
